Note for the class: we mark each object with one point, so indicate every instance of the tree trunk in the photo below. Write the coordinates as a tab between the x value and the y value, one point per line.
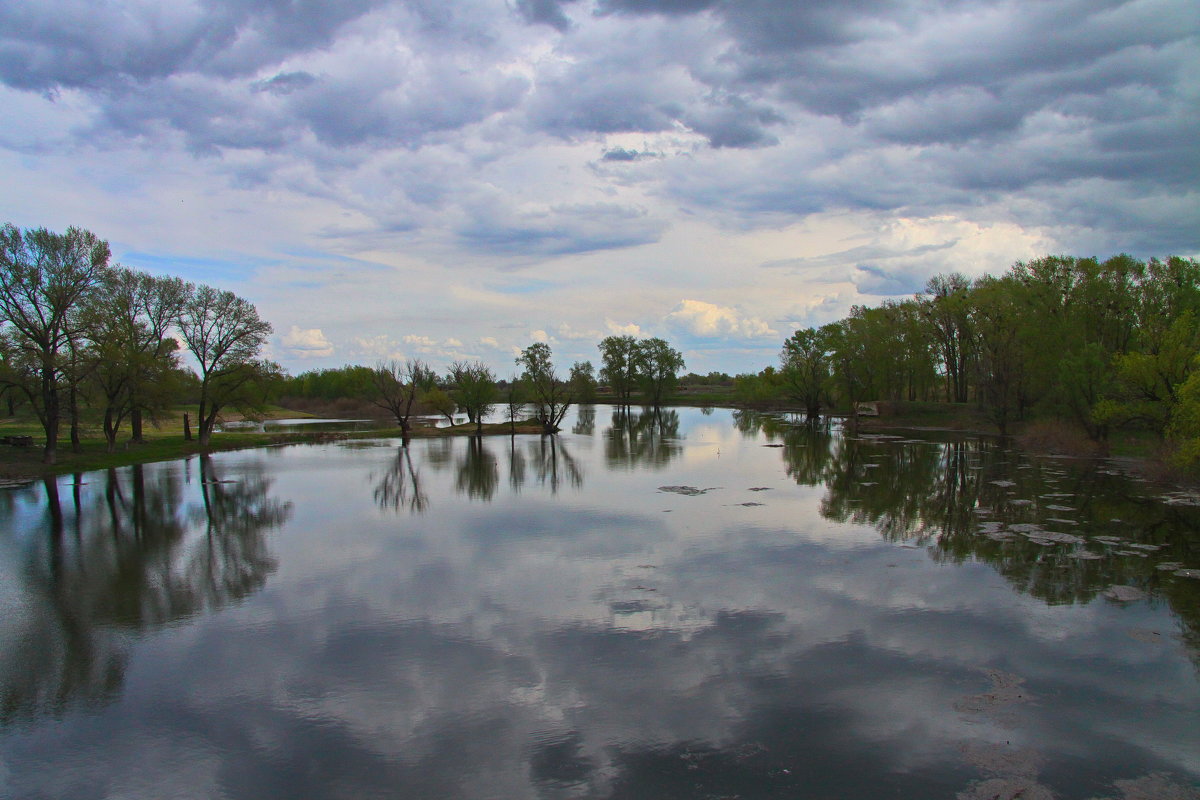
135	424
187	428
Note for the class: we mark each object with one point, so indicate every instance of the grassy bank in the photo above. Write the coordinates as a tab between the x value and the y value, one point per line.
165	442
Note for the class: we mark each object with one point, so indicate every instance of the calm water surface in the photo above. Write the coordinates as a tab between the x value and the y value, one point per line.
679	605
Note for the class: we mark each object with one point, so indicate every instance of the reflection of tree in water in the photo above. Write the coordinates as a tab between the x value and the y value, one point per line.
516	465
585	421
400	486
131	556
478	471
552	463
649	437
969	499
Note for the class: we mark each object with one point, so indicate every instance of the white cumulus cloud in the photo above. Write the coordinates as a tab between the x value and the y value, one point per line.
307	343
712	321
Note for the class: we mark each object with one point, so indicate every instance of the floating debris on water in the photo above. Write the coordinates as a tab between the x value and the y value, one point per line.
1006	690
751	504
1181	499
759	489
1130	553
1005	484
1150	547
1060	508
1124	594
1109	539
1062	521
1146	635
687	491
1155	786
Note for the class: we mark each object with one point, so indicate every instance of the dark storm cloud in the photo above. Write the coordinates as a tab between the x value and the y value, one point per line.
772	109
44	46
545	12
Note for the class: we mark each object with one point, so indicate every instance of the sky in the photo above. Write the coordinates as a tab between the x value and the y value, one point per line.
457	180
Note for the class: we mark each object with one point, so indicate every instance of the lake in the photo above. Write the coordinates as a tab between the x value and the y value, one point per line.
684	604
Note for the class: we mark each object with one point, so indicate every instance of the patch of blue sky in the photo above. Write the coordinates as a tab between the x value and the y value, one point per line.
196	270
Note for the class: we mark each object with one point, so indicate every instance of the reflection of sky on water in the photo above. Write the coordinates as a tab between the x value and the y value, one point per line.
589	635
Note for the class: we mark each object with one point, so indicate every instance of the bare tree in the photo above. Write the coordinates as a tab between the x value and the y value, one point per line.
397	385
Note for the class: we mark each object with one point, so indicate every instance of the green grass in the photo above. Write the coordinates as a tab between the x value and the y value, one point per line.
165	442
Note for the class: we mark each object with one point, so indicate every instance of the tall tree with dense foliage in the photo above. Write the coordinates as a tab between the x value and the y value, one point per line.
549	396
474	390
805	368
583	381
619	366
44	277
945	307
658	366
132	358
224	334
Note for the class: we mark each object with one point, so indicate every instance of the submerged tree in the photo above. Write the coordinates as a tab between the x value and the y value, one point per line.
474	390
658	365
396	387
619	365
549	396
805	368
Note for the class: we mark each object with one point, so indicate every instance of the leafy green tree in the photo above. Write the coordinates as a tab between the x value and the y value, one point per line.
945	307
658	365
475	390
132	360
549	396
619	367
224	334
44	277
805	367
1148	383
583	381
996	310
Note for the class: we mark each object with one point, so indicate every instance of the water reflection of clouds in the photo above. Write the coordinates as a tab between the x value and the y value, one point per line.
527	647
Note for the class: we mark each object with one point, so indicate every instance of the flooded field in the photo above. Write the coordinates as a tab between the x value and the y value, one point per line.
681	604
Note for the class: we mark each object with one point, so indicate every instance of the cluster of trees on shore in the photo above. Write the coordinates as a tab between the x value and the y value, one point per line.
1102	344
80	335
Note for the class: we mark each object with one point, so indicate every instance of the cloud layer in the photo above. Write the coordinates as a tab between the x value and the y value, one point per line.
594	146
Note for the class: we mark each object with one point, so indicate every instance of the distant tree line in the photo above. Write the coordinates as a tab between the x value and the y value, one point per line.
1102	344
80	337
643	369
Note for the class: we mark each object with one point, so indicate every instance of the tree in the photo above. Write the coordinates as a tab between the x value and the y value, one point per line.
224	334
549	396
396	386
583	381
946	311
43	279
131	359
804	368
618	355
996	317
658	365
475	390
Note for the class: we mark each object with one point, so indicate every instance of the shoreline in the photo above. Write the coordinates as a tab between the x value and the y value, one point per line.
22	465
